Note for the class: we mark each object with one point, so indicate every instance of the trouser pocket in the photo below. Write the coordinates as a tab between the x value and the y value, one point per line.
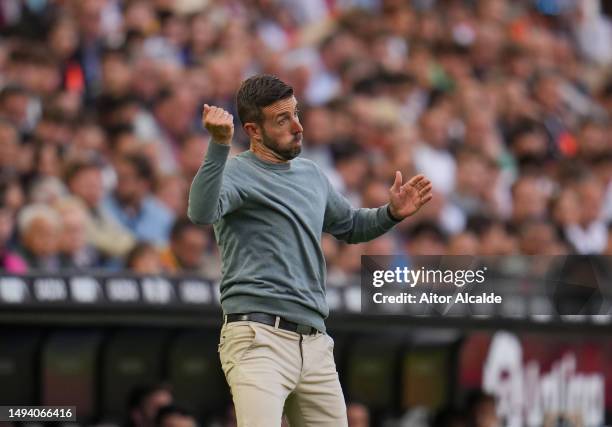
234	343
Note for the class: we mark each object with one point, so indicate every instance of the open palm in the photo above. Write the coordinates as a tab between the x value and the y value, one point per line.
407	199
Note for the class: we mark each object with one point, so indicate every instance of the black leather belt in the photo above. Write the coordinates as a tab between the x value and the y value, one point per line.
268	319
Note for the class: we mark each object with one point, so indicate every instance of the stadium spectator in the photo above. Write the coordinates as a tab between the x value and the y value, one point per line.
432	156
174	416
88	142
174	112
9	146
145	401
188	250
475	179
481	410
608	250
191	155
529	200
592	140
449	417
15	102
12	196
589	234
172	190
497	239
134	206
75	251
425	238
39	231
358	415
464	243
85	180
565	208
144	258
540	237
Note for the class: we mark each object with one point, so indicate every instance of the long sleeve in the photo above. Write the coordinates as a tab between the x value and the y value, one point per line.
354	225
211	196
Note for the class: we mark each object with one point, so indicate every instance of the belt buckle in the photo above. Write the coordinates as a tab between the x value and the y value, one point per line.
303	329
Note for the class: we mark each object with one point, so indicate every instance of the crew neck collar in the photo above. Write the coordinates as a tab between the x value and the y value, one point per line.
267	165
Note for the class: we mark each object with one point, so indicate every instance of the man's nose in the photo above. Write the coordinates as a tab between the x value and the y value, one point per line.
297	126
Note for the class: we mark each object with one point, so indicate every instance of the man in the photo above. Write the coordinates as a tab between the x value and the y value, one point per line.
187	251
10	146
133	204
174	416
76	252
14	105
269	210
145	401
358	415
481	410
84	179
40	232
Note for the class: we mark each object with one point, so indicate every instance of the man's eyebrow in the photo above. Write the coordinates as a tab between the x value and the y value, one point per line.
284	113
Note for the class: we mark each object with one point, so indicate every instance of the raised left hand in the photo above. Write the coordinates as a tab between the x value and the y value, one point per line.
407	199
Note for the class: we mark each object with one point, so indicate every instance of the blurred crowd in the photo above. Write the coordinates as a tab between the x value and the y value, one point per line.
155	405
504	105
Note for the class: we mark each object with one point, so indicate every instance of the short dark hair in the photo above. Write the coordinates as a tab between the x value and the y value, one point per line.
169	410
258	92
426	228
139	394
12	90
180	226
141	164
76	167
140	249
475	398
524	127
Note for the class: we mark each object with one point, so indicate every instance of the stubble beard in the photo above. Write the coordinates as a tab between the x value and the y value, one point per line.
286	154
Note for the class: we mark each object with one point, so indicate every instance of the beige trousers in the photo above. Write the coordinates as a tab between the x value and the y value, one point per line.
272	371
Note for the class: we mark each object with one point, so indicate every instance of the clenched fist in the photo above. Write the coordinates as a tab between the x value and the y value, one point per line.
219	123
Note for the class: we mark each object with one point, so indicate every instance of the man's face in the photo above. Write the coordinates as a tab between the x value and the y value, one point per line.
157	400
435	128
175	113
15	108
9	145
281	130
590	198
87	184
189	247
177	420
6	226
73	237
358	415
130	187
42	237
528	201
192	155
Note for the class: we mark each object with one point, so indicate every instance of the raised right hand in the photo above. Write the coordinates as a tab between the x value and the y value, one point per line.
219	123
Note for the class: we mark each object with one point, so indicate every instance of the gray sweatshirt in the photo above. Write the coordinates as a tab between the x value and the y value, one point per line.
268	219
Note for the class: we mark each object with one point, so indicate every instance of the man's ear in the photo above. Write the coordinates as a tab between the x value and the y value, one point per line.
253	131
